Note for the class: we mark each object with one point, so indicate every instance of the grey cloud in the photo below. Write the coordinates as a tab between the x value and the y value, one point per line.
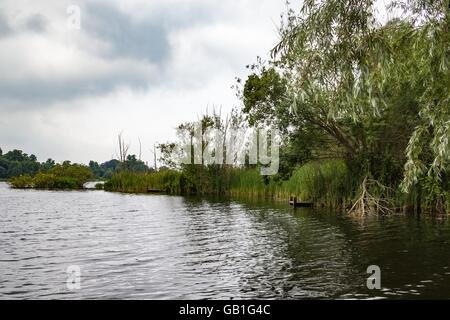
34	93
5	29
146	40
68	108
143	40
36	23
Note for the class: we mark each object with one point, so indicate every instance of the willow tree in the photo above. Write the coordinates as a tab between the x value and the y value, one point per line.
346	71
330	51
430	59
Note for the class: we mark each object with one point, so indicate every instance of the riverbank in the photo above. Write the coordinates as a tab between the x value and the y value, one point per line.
329	184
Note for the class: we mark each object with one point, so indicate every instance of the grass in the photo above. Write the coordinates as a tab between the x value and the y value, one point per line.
168	180
248	182
329	183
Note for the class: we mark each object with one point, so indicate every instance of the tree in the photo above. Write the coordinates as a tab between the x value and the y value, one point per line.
16	155
167	154
343	62
428	150
134	164
3	172
47	165
375	94
16	162
123	151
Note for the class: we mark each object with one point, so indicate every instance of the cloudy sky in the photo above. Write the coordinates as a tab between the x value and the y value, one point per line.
137	66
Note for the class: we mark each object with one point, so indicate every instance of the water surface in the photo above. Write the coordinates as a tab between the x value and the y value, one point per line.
169	247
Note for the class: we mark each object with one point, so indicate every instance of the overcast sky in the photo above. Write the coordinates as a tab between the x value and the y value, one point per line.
141	66
137	66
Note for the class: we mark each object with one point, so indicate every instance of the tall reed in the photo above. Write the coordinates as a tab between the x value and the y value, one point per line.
167	180
328	183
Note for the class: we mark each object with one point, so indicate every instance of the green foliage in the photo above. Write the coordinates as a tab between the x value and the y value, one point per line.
99	186
61	176
374	95
78	172
329	183
16	163
108	168
436	194
248	182
104	170
355	100
22	182
44	181
167	151
132	182
135	165
264	96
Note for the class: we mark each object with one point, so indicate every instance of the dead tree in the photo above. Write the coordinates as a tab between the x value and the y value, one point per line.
123	151
140	148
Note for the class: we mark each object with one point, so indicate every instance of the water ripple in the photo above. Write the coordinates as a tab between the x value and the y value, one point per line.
160	247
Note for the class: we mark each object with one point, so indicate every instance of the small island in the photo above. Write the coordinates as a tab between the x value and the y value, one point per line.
65	176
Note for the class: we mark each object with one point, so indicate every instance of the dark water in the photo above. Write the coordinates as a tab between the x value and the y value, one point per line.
160	247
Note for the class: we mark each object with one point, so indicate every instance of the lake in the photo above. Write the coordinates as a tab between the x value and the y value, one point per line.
170	247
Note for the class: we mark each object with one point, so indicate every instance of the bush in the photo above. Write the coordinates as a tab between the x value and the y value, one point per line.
99	186
20	182
65	176
44	181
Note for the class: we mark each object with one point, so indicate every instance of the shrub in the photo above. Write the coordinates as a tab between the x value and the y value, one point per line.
24	181
65	176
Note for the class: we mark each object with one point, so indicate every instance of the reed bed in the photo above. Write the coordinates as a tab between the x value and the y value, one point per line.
131	182
328	183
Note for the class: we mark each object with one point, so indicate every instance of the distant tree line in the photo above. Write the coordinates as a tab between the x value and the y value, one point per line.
16	163
107	169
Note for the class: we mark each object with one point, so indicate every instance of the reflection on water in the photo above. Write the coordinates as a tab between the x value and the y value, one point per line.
166	247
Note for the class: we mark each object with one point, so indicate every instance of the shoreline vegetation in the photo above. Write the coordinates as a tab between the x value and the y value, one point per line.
328	184
361	105
324	183
65	176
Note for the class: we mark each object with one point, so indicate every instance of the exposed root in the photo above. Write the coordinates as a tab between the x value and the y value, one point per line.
367	204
